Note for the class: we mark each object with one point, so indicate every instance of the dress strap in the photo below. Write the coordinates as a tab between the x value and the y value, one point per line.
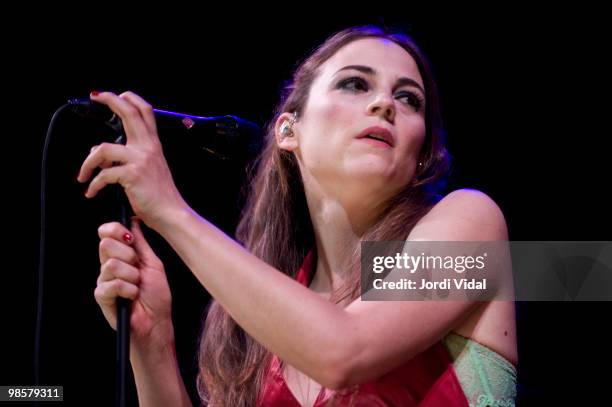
304	274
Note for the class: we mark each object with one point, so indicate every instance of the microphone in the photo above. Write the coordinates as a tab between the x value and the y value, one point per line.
222	136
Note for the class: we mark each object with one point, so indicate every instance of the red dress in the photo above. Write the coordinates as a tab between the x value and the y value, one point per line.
427	380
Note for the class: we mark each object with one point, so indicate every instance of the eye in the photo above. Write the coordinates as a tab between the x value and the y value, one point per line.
411	98
354	84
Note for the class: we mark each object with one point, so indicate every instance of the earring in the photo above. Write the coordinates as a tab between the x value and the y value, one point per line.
420	164
285	128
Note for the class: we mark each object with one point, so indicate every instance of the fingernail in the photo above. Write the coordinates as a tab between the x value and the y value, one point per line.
127	237
94	93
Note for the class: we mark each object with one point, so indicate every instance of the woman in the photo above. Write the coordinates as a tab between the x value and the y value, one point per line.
354	152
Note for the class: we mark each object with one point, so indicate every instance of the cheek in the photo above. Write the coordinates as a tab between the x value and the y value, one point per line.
408	157
414	137
331	113
325	124
419	136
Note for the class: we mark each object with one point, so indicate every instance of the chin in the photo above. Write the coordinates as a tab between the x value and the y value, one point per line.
371	179
378	168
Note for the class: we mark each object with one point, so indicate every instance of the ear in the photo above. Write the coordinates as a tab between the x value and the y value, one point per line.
285	141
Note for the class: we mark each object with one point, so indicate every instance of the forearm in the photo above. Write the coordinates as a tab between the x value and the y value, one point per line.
157	376
292	322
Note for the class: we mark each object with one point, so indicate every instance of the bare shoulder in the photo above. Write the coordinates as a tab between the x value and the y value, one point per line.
469	214
464	214
469	204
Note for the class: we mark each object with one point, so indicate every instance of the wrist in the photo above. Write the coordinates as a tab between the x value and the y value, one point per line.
167	215
149	359
170	217
158	342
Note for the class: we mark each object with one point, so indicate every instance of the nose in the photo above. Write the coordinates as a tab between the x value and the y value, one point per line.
383	106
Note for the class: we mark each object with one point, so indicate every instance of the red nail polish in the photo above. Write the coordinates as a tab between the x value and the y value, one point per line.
94	93
127	237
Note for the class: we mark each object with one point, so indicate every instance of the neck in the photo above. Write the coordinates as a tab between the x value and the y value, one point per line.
339	224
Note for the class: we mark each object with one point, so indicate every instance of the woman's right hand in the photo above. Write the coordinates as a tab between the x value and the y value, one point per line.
130	269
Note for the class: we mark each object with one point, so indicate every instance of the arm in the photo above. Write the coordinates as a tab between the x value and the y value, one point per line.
362	341
266	303
157	376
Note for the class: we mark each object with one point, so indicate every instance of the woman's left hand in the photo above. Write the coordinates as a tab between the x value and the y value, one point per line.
139	166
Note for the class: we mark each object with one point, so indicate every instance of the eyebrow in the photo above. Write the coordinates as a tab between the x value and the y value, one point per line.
403	81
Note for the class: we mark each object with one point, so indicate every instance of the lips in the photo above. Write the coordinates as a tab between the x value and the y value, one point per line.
378	133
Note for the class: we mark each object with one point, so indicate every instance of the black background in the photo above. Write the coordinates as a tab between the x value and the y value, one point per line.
524	107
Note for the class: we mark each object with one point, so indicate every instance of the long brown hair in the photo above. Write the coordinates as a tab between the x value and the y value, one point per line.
276	227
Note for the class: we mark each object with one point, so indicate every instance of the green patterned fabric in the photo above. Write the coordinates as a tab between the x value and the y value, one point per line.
486	377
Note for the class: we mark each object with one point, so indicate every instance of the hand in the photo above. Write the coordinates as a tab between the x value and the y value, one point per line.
130	269
141	168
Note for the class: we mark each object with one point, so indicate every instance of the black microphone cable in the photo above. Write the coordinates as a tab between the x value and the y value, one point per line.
42	244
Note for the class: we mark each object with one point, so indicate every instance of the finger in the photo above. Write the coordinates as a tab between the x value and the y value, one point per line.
105	177
133	123
143	250
111	248
115	230
103	156
145	109
106	293
104	164
116	269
